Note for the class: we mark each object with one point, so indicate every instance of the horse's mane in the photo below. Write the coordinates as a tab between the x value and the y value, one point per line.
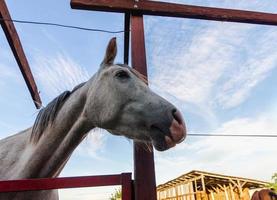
47	115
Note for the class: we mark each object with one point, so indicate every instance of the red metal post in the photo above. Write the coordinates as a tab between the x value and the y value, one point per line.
126	37
144	172
18	52
126	182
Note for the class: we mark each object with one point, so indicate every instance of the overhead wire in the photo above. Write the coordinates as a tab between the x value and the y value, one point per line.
62	25
232	135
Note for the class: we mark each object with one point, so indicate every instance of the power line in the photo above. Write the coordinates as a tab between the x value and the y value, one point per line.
232	135
61	25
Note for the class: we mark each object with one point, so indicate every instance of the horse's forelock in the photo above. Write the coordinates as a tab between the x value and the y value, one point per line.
135	72
139	75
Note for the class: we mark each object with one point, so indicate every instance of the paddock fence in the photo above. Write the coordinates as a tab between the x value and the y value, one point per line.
123	179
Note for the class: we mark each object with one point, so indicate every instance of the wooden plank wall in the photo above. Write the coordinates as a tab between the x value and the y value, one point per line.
187	192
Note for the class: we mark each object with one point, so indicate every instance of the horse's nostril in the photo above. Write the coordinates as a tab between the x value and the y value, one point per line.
176	116
173	111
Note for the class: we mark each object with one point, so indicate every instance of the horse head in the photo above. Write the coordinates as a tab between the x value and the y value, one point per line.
126	106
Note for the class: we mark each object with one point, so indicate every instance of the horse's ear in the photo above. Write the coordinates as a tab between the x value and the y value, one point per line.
110	53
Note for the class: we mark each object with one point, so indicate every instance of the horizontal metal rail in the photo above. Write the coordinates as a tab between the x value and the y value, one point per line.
124	179
156	8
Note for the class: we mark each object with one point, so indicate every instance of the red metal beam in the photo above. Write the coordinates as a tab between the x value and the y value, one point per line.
176	10
144	172
123	179
15	44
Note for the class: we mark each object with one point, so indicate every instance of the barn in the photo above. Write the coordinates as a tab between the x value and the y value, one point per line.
200	185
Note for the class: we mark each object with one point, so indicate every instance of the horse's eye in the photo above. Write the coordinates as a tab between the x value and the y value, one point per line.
122	74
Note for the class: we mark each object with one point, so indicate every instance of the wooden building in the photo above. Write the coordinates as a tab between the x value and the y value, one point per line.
199	185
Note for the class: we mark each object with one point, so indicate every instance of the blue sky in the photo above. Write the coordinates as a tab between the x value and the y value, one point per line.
222	77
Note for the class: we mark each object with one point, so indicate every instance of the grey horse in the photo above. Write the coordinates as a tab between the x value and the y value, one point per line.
116	99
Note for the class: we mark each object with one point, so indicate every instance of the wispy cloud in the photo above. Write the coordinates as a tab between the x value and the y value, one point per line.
8	68
195	67
7	72
87	193
260	61
57	74
219	63
93	144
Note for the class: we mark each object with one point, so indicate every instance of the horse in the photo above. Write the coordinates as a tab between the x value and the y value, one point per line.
116	98
264	194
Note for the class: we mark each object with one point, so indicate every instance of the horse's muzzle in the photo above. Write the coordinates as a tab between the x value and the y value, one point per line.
177	130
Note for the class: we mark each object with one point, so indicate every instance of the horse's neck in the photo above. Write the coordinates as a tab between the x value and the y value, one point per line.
49	155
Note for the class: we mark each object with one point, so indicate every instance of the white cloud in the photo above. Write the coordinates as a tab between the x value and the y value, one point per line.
8	69
195	69
207	63
7	72
93	144
250	73
213	63
103	193
58	74
55	75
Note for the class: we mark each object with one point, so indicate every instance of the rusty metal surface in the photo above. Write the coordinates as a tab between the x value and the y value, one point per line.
126	182
123	179
177	10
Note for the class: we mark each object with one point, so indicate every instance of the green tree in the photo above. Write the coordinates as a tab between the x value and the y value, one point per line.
116	195
273	184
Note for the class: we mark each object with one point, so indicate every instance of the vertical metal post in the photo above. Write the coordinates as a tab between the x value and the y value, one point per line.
144	170
126	184
126	37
